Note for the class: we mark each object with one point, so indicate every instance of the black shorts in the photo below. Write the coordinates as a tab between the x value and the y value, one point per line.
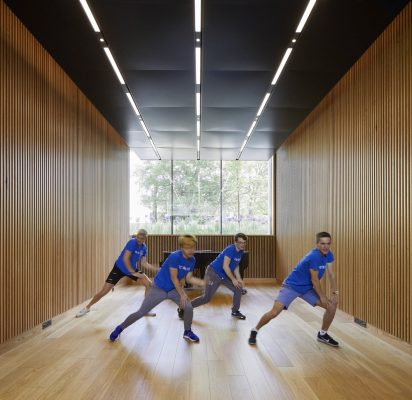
116	274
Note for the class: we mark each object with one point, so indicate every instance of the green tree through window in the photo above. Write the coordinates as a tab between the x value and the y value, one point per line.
200	197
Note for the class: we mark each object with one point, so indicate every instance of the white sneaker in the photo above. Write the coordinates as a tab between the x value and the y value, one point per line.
82	312
150	314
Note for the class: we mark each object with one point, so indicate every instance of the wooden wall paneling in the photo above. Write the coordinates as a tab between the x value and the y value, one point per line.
347	169
261	250
60	225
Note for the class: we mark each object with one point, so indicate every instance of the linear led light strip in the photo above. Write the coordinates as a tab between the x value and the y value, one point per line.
279	70
198	70
116	69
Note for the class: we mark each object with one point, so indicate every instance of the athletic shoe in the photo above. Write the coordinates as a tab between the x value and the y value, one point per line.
82	312
327	340
252	337
189	335
150	314
116	333
244	291
238	315
181	313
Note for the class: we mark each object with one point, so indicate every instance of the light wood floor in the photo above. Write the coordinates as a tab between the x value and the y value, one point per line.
73	358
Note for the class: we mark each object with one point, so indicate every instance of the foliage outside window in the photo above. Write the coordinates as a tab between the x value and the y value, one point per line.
200	197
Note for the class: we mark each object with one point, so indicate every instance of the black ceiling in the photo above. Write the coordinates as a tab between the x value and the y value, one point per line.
243	42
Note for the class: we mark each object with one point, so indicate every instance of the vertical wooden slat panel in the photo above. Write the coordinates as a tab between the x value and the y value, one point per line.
64	186
261	250
347	169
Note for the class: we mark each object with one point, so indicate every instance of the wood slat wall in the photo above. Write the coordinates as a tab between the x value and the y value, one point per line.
347	170
260	248
64	186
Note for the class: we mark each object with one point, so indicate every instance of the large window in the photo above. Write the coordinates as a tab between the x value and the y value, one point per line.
246	202
196	197
200	197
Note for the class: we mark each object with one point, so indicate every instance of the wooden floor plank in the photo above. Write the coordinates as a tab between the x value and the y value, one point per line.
73	359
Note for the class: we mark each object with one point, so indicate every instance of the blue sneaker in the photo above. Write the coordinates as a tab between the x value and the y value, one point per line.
116	333
189	335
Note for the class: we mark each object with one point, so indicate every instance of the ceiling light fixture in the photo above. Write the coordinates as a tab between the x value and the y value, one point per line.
305	16
133	104
262	106
275	79
282	65
251	128
198	15
116	69
198	63
89	14
198	68
198	104
114	65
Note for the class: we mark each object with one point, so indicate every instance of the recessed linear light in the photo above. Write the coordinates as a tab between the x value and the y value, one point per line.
198	145
89	14
114	65
262	106
133	104
154	148
116	69
198	128
198	104
281	65
251	129
242	148
198	15
145	129
305	16
198	64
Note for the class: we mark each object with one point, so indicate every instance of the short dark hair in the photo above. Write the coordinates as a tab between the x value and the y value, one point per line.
321	235
240	235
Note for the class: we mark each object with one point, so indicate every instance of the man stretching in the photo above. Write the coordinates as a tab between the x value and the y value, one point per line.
304	282
224	270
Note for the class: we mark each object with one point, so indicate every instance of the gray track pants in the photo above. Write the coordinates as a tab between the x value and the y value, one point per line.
152	299
213	281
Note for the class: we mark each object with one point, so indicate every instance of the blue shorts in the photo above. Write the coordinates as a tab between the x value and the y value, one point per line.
287	295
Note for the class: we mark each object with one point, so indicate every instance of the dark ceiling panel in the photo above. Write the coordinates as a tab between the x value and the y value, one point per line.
162	88
175	139
222	139
280	119
226	119
234	88
169	119
243	43
148	35
248	35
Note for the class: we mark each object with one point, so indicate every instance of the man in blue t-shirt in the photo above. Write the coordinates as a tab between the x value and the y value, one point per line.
167	284
224	270
304	282
128	264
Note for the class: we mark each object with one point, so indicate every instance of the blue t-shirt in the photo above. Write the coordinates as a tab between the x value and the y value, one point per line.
234	255
137	253
299	279
178	261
